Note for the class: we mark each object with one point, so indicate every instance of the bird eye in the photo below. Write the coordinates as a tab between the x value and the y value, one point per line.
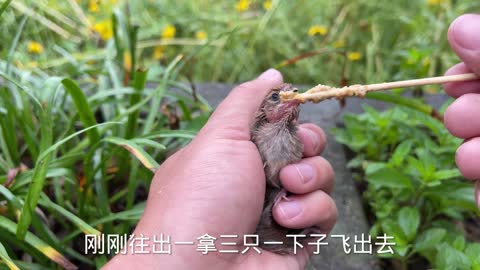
275	96
295	90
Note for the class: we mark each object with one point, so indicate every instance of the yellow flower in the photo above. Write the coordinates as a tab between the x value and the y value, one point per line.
35	47
201	35
339	44
158	52
104	29
93	6
317	29
354	56
169	31
267	4
242	5
435	2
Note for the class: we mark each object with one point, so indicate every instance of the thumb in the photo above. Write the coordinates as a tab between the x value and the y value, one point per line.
237	110
464	39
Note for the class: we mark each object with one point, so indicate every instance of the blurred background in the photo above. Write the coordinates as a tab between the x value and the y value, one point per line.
95	94
309	41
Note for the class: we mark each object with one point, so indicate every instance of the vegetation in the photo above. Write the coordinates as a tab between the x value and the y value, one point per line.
413	189
82	82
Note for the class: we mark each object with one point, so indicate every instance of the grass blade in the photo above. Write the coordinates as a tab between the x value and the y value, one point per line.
139	81
8	261
39	174
4	7
6	127
137	151
84	111
13	47
10	226
25	89
158	95
79	223
54	147
147	142
38	181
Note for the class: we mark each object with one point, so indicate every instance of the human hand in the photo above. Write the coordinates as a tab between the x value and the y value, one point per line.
462	118
216	185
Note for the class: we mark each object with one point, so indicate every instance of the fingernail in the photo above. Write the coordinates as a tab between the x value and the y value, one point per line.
465	31
305	172
290	209
270	75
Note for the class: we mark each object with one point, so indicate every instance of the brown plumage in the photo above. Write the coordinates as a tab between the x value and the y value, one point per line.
274	132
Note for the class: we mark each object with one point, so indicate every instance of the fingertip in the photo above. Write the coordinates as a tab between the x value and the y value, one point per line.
466	159
316	209
309	175
238	109
463	32
313	139
456	89
462	111
465	41
271	75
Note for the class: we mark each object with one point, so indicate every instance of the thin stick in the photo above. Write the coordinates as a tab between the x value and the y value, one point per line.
322	92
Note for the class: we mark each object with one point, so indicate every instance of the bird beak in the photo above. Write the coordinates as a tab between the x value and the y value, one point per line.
287	105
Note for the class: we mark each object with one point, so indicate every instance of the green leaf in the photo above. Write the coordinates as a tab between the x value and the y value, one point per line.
79	223
449	258
374	167
140	79
54	147
83	108
147	142
38	181
400	153
391	228
137	151
37	243
455	193
391	178
459	243
447	174
185	134
4	6
473	253
36	186
409	220
159	92
6	259
430	239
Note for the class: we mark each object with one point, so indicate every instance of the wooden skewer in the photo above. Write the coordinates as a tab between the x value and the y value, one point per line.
322	92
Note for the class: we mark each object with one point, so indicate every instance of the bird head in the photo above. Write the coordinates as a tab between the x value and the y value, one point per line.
275	110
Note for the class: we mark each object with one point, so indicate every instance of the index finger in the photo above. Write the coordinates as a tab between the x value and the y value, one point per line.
456	89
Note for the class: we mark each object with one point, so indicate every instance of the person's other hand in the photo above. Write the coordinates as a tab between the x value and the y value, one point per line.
216	185
462	117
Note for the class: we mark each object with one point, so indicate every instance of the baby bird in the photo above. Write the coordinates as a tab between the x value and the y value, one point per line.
274	132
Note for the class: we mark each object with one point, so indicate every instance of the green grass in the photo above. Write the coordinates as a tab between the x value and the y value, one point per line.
86	118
